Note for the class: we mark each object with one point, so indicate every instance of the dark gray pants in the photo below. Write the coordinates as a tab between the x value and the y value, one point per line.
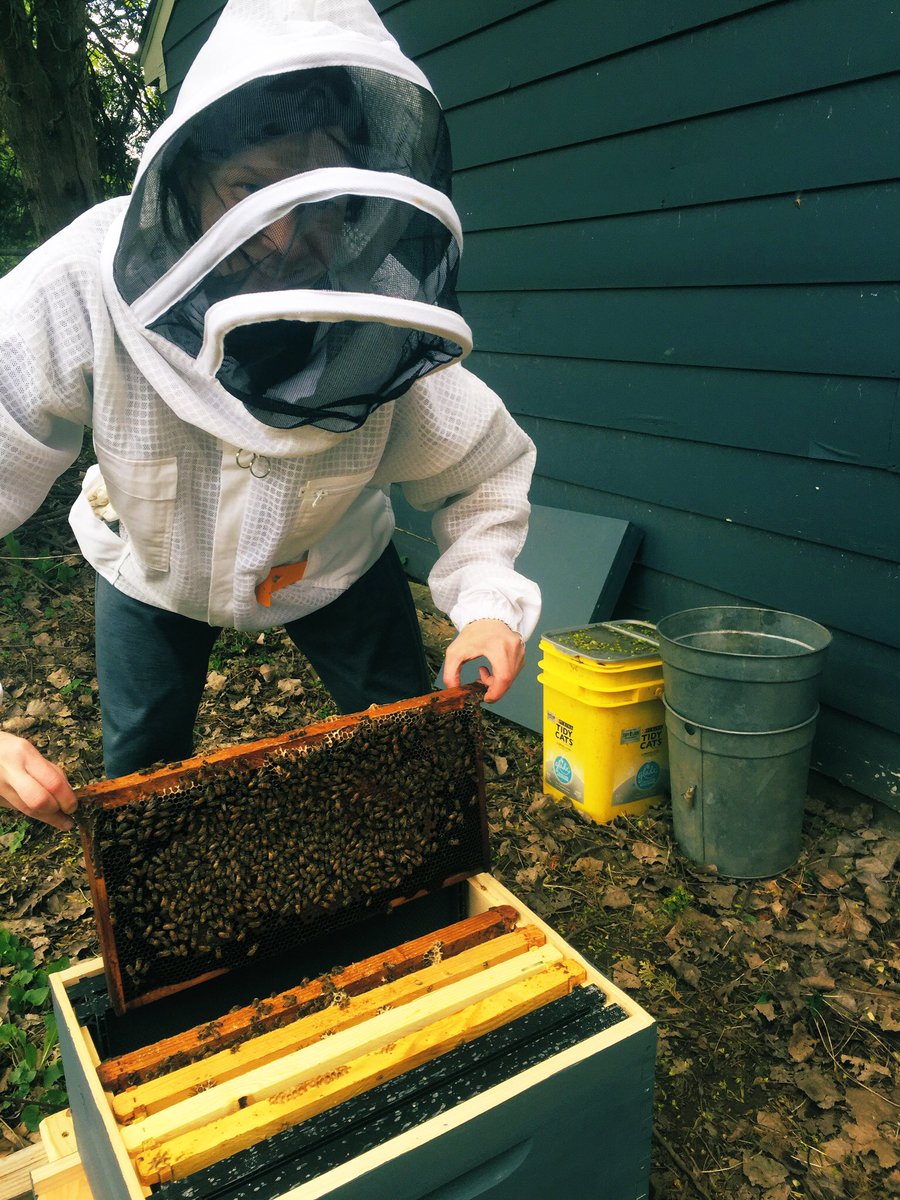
152	664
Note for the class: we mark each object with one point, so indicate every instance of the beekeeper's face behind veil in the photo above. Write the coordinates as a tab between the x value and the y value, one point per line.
297	249
295	238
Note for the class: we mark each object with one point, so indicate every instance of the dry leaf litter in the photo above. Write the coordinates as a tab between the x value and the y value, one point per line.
777	1000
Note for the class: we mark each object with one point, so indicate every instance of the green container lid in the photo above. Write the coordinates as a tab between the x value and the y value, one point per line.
608	642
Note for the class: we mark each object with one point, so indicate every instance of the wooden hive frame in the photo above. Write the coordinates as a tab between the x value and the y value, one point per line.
130	790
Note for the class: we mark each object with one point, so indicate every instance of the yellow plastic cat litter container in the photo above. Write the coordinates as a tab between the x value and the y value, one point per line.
604	720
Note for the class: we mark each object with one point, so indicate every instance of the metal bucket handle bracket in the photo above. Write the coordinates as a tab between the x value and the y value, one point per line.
689	795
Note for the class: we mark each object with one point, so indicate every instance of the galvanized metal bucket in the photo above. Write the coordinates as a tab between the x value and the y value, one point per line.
741	694
737	798
747	670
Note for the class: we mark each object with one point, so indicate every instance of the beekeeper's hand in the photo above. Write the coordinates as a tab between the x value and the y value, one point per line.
490	639
31	785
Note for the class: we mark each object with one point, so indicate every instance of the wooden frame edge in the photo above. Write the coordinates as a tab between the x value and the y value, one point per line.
87	1069
489	892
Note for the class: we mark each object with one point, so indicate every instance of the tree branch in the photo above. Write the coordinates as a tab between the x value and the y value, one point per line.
127	76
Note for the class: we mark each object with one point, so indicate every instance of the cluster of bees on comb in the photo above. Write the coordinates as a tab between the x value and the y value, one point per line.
243	859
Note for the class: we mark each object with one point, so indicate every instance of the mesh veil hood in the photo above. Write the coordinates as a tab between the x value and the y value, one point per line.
291	229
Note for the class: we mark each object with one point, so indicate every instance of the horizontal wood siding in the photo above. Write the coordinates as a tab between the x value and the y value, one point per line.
841	506
736	242
191	24
544	38
716	69
843	329
777	148
681	269
840	418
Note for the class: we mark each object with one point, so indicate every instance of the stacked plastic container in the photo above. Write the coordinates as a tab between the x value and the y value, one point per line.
604	721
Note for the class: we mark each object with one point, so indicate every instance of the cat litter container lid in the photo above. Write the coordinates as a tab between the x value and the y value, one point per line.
608	644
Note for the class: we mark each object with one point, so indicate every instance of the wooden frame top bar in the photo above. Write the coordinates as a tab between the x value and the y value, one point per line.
111	793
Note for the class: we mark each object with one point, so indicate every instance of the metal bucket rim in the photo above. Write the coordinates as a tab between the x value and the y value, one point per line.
739	732
666	639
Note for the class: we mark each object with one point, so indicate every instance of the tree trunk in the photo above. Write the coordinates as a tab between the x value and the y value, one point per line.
44	107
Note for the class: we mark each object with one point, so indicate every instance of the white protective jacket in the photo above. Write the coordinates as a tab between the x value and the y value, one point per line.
211	490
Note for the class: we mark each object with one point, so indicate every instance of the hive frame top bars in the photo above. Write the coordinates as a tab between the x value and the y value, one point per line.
196	866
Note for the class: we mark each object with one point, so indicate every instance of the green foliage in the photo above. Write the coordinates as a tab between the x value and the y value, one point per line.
19	835
16	230
231	644
74	685
677	901
125	111
52	568
656	980
32	1082
814	1003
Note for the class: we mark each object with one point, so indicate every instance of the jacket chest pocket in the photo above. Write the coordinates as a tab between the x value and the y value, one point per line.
143	493
322	504
326	500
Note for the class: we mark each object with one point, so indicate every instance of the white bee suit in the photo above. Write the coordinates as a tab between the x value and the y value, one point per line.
219	465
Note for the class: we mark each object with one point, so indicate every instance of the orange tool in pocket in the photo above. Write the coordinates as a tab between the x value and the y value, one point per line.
278	578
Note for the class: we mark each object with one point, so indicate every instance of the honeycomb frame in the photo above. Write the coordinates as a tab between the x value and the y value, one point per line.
201	866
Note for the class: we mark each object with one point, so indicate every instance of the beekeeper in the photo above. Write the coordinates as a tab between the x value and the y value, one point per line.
263	338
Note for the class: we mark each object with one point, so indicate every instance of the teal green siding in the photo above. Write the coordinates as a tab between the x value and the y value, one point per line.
681	268
189	26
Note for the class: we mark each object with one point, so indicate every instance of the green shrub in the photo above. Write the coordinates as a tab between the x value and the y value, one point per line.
30	1066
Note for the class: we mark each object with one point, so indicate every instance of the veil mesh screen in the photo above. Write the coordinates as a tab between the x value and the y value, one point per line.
298	372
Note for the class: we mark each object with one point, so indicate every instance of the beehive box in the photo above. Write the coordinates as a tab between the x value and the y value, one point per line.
465	1050
578	1121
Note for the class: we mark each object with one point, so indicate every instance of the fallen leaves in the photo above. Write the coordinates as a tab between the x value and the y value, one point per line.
864	1070
290	687
590	867
527	877
829	878
819	980
849	921
646	853
820	1088
774	988
684	970
624	974
801	1046
763	1171
766	1009
18	725
774	998
721	895
616	897
873	1129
